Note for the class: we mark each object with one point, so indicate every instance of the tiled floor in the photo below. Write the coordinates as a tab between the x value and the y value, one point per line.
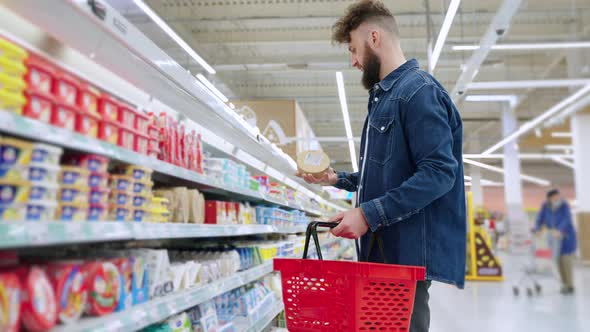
492	307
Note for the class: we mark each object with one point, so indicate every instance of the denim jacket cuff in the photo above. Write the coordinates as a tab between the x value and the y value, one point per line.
374	214
343	181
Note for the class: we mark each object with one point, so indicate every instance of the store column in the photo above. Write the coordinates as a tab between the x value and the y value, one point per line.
580	124
518	225
476	189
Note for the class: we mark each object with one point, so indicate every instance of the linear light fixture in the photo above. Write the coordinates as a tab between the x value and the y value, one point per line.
539	119
527	84
527	46
561	135
212	88
524	177
524	156
563	162
444	32
512	100
149	12
346	117
558	147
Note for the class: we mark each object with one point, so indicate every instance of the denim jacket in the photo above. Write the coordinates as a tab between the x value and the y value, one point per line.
410	182
559	219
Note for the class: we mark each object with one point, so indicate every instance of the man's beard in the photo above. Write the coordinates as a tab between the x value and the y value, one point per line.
371	69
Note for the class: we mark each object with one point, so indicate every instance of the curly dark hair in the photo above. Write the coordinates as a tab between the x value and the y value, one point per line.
360	12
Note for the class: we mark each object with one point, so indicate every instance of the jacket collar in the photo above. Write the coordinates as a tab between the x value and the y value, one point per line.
395	75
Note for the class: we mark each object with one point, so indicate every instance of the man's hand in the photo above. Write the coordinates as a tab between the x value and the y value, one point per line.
353	224
329	178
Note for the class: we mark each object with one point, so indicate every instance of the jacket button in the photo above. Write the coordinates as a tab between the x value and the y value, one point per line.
382	128
376	99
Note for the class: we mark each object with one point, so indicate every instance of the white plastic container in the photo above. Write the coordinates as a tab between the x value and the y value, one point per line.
44	153
43	191
41	210
43	173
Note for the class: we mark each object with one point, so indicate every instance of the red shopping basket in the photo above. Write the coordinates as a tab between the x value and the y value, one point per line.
339	296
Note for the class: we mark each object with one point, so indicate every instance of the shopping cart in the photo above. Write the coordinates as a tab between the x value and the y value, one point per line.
341	296
542	263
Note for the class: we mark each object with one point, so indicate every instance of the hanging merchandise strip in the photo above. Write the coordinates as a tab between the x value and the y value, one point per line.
28	234
35	130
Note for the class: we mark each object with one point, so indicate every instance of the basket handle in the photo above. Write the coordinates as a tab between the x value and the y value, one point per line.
312	230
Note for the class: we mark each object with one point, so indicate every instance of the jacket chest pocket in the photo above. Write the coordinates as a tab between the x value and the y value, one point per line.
380	146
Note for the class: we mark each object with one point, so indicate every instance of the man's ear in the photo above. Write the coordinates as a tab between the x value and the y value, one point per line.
375	39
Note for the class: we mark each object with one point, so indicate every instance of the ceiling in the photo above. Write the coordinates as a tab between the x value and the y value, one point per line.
281	49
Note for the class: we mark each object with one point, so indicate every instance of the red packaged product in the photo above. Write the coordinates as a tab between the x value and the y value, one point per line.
126	116
215	212
199	155
39	105
108	107
167	143
142	122
141	143
179	134
64	116
39	75
87	99
103	283
65	88
87	124
154	153
38	305
153	132
108	131
153	144
70	290
126	138
10	298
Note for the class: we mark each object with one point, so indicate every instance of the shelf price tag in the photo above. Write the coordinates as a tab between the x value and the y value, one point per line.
39	233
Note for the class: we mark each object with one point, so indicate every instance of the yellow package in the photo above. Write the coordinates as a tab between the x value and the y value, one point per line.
11	51
11	83
15	152
11	67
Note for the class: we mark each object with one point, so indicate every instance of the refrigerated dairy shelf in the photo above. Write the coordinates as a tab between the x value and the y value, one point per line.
39	131
266	319
30	234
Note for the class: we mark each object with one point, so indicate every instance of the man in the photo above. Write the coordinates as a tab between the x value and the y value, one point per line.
410	188
555	216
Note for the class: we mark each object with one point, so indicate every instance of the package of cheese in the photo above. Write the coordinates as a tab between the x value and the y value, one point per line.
313	162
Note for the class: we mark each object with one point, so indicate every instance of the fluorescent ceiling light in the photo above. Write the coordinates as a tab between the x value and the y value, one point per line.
527	46
149	12
346	117
512	100
444	31
558	147
524	177
539	119
525	156
561	135
212	88
563	162
528	84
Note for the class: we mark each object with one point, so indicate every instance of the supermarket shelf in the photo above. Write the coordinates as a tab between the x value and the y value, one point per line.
30	234
39	131
154	311
266	319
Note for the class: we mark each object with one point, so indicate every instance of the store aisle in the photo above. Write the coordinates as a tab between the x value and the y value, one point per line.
491	307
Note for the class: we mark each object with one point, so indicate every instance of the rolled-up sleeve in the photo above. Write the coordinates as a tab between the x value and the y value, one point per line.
430	139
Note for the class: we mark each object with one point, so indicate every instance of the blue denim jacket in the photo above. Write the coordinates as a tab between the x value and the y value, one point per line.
410	182
561	220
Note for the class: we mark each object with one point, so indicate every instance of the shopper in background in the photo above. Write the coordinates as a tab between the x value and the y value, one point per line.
556	216
410	189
